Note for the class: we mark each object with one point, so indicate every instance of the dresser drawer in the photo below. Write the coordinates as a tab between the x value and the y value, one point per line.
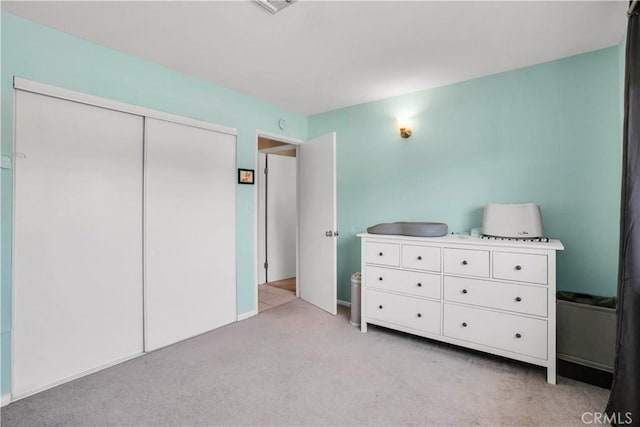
410	282
466	261
421	257
520	267
503	296
414	313
508	332
383	253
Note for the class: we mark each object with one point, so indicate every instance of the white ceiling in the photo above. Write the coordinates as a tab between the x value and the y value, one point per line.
317	56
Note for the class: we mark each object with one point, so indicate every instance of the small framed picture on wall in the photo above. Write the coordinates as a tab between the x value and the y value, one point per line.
245	176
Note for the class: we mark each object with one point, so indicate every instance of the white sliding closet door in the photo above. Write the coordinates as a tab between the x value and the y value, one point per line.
77	301
190	253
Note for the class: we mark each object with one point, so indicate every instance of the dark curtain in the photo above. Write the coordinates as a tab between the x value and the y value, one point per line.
624	402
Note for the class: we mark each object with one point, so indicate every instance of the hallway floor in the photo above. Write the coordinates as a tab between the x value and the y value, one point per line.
273	294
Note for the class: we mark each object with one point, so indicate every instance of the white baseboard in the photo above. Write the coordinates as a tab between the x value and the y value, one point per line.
247	315
56	383
5	399
344	303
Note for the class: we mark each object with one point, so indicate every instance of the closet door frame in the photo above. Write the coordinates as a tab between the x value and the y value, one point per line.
26	85
84	98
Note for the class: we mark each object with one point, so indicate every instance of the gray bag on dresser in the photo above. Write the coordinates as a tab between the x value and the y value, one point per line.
417	229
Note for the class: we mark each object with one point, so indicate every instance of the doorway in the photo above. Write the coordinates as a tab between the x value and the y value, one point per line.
277	223
315	220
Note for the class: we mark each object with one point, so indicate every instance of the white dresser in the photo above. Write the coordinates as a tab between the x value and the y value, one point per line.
496	296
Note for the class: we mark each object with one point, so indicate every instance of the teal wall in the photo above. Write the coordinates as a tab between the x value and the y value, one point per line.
39	53
549	134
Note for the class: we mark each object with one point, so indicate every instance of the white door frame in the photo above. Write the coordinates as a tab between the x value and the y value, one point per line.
259	176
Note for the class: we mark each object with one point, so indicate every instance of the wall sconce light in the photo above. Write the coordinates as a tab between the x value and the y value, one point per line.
403	125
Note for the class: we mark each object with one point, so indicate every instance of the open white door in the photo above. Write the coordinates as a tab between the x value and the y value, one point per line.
317	274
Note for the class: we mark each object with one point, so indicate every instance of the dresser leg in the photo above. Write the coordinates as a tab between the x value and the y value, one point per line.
363	327
551	374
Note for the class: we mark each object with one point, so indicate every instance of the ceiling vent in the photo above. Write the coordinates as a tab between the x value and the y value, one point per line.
274	6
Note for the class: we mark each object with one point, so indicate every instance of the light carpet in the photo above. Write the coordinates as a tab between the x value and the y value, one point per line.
297	365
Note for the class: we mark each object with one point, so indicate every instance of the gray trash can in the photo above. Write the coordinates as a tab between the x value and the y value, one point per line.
355	299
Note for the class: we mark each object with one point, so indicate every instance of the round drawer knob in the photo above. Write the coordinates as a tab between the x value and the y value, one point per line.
419	315
464	291
518	299
380	307
419	285
419	258
380	278
464	262
518	267
464	324
518	335
380	254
